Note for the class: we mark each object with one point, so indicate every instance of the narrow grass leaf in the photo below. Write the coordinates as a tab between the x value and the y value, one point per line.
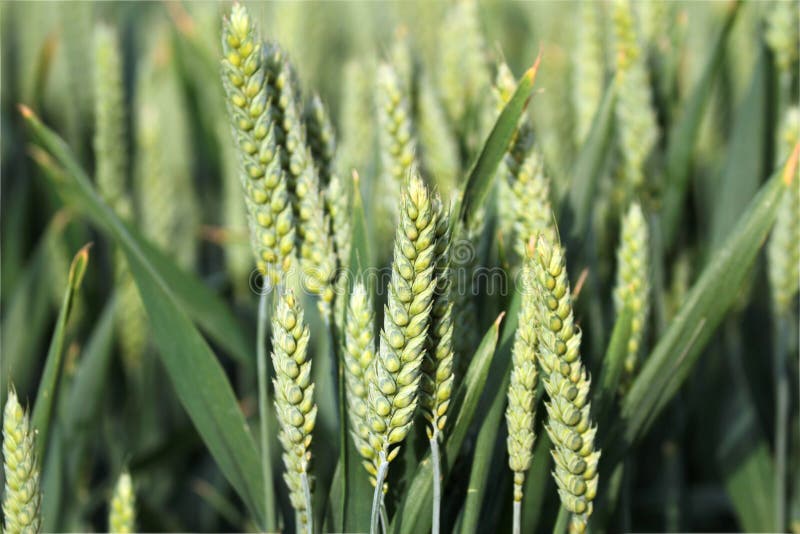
484	169
683	134
613	364
198	378
200	303
414	512
745	165
704	307
51	376
577	209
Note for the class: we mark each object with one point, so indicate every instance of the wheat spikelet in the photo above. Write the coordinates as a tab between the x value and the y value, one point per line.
122	509
359	356
782	34
21	497
110	135
357	139
322	139
463	76
636	120
566	384
521	410
294	398
269	209
633	288
436	386
438	147
530	206
314	239
588	69
395	133
394	391
783	249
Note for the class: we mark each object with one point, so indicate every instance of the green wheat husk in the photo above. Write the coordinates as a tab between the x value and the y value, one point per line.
530	202
314	240
165	194
269	209
436	386
636	120
21	497
401	58
322	139
519	148
122	508
567	385
110	136
130	318
463	74
632	289
464	259
359	356
438	147
357	137
394	390
782	34
783	248
294	400
588	72
521	410
396	136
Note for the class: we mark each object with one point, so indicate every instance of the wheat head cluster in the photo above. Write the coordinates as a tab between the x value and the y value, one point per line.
392	386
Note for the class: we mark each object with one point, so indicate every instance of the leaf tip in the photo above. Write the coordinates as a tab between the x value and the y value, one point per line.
790	170
78	267
499	319
25	111
530	74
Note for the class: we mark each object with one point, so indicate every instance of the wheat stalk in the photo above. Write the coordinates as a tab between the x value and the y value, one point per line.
21	497
633	288
294	401
394	390
122	509
566	383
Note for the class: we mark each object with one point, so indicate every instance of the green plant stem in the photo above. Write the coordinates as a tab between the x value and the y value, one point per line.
266	457
517	516
562	521
781	419
384	517
378	494
436	464
309	509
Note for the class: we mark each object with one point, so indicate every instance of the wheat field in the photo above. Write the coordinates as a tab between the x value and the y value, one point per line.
400	267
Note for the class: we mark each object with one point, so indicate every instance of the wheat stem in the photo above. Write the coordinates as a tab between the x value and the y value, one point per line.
781	419
517	519
436	464
307	493
377	495
384	516
263	402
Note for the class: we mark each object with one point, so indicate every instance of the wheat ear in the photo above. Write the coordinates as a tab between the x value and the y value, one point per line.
269	210
633	288
22	497
122	509
394	391
566	383
521	410
294	401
